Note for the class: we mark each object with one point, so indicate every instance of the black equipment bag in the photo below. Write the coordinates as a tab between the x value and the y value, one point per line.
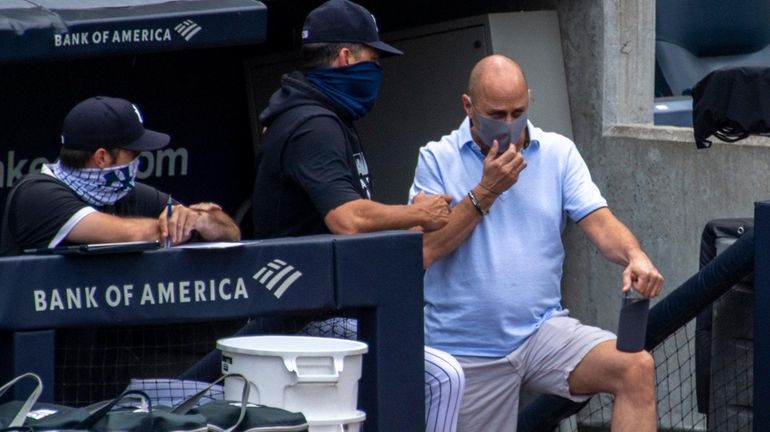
242	416
109	416
29	415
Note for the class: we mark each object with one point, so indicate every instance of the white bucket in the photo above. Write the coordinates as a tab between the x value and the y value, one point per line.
352	424
315	376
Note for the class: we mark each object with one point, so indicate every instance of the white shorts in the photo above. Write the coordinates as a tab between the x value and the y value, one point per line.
542	364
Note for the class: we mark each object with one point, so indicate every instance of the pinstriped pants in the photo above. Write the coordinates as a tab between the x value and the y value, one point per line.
444	386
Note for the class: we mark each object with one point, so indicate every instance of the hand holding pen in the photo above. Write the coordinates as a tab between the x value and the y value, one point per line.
169	213
179	223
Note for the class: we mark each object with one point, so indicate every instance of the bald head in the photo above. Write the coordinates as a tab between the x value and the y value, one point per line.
496	75
497	90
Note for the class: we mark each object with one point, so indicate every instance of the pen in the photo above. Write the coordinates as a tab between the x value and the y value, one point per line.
169	211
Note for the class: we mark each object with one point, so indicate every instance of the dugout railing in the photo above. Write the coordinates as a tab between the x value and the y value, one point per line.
670	336
376	278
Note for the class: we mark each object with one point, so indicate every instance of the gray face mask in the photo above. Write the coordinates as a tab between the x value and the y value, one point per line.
489	129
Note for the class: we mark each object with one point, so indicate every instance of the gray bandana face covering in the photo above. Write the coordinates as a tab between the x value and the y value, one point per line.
99	187
489	129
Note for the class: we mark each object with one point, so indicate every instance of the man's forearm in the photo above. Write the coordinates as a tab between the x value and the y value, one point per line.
616	243
464	218
360	216
99	227
218	226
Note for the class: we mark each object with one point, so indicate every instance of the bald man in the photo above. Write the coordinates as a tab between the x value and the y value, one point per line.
493	279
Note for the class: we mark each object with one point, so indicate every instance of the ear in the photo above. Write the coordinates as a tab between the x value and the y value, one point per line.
344	58
467	106
101	158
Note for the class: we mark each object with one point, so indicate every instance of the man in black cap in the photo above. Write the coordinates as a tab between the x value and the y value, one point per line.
312	176
90	195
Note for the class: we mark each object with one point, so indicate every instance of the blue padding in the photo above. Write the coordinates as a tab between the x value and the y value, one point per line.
371	273
761	317
166	285
54	29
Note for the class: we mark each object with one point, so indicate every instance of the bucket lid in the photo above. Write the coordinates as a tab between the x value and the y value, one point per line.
357	418
294	345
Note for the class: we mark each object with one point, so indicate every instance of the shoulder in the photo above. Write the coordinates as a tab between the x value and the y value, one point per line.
552	142
320	136
147	193
307	115
448	146
38	178
41	184
311	123
145	189
323	123
40	207
38	196
143	201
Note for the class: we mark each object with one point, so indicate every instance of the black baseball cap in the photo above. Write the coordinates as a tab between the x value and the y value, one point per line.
344	21
107	122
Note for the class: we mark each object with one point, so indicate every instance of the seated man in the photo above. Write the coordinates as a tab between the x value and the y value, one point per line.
90	195
493	278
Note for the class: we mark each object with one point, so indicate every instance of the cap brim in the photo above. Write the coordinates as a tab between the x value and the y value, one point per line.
384	48
150	140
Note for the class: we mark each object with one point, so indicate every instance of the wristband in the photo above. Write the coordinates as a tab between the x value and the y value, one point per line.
475	202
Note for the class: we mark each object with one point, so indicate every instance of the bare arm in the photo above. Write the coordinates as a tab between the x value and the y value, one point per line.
500	173
99	227
464	218
359	216
207	219
617	244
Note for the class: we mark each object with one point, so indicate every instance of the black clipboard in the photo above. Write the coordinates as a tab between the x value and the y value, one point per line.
97	248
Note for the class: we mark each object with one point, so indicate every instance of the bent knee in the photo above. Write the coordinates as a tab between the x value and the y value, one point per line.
643	362
639	370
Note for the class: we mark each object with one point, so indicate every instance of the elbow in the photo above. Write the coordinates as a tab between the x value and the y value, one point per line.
343	223
429	255
343	229
426	261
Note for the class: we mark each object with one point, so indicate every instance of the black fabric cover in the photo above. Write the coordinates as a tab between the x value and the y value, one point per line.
715	229
731	104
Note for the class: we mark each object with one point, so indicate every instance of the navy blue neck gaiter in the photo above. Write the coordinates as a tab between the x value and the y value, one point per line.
353	88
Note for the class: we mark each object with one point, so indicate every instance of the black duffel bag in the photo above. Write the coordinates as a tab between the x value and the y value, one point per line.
110	416
29	415
242	416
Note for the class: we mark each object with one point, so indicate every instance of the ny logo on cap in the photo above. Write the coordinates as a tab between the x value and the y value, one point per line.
138	114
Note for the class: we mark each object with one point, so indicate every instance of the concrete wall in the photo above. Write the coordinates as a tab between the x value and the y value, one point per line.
654	178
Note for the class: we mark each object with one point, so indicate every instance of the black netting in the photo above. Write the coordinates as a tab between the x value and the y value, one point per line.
729	375
98	364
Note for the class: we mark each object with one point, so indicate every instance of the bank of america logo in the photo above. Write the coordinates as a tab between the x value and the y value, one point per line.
279	273
187	29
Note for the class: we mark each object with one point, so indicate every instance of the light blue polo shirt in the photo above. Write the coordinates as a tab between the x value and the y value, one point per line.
496	289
